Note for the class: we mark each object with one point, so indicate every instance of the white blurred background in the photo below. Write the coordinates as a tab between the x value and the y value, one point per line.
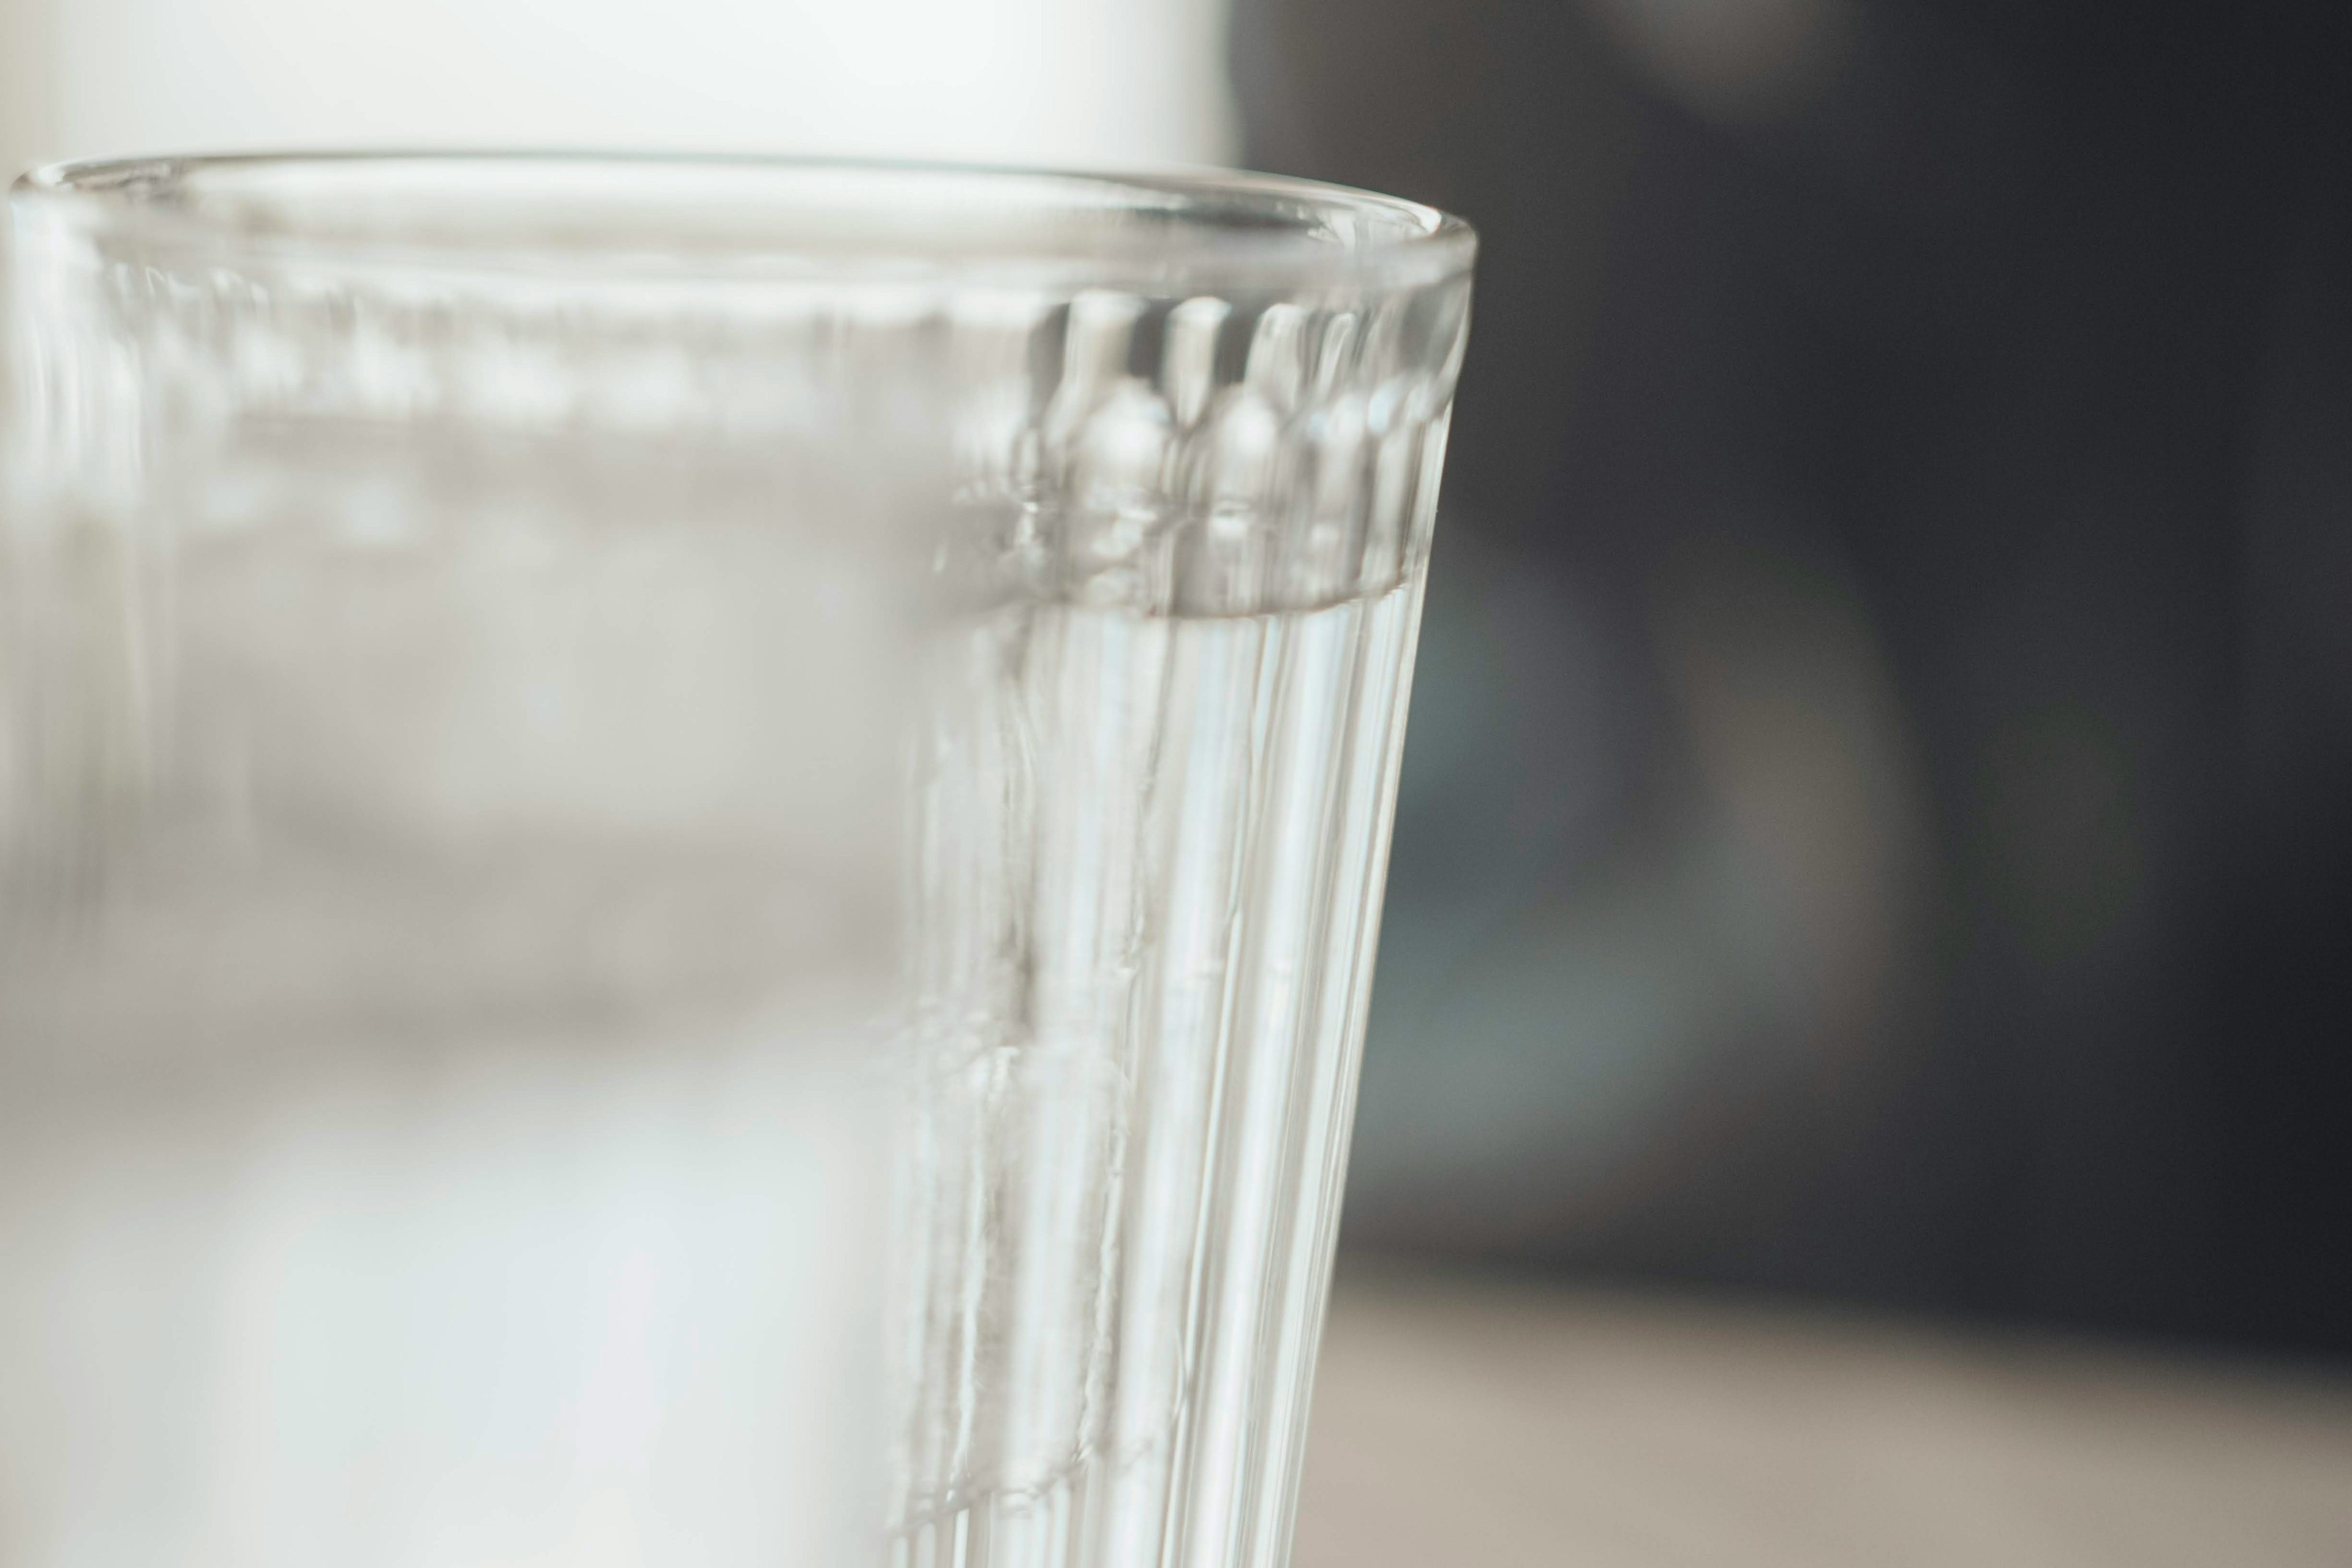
1073	83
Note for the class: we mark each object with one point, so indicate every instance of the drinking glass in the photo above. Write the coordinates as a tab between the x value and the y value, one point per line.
690	852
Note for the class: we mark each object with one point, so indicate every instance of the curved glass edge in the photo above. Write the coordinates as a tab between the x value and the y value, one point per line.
1216	229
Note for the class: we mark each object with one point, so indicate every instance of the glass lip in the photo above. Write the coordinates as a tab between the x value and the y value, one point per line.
1220	229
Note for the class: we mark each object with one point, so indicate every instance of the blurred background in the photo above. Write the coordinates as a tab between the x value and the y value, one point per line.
1877	825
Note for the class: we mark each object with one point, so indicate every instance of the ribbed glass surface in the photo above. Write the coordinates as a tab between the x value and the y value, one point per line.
528	677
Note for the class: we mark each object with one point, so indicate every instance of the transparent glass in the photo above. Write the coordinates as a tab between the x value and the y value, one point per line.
690	852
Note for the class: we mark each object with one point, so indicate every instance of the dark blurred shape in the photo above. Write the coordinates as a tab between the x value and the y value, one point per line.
1879	814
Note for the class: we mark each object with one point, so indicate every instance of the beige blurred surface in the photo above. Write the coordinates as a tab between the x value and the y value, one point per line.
1468	1423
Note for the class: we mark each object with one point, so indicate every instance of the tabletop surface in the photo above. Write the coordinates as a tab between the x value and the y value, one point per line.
1463	1422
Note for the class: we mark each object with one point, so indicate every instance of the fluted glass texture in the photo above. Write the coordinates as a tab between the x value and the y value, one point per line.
690	852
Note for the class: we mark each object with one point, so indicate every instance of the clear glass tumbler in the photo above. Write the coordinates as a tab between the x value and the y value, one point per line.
690	852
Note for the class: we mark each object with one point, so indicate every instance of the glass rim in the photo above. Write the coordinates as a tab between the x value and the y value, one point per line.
763	217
